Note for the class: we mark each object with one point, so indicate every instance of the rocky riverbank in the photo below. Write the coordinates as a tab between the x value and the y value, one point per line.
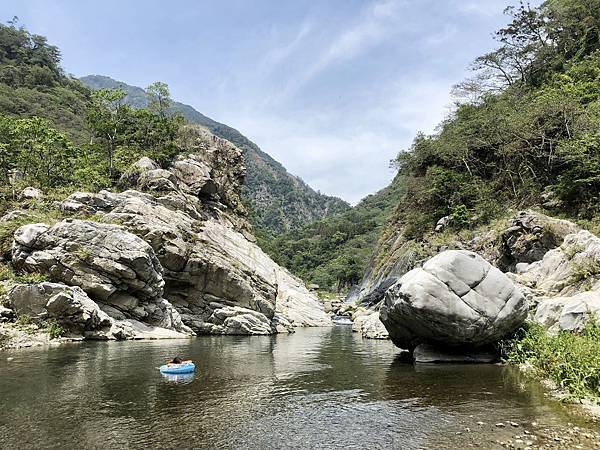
462	291
171	255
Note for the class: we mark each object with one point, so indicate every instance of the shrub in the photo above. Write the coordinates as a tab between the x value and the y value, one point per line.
24	319
4	338
54	329
584	269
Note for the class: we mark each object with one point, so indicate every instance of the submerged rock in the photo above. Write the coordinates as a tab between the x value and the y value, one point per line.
456	299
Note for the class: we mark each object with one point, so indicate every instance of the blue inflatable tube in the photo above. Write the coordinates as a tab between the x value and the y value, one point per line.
176	369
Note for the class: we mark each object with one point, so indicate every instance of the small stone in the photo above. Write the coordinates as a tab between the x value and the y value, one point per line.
514	424
500	424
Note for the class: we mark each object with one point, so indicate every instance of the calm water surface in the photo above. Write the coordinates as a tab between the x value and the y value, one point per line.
317	388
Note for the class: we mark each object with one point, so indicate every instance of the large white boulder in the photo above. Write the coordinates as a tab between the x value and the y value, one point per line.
456	299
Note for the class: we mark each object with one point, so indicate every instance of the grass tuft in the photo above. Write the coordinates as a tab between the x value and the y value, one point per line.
569	359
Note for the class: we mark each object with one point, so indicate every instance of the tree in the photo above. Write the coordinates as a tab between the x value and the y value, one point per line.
107	117
159	98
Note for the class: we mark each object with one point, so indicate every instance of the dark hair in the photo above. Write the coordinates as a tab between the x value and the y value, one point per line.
176	360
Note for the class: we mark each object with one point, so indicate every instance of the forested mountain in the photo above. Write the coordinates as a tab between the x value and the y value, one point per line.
32	82
525	132
333	252
278	201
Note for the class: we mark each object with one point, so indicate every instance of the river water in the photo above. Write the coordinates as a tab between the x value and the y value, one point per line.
316	388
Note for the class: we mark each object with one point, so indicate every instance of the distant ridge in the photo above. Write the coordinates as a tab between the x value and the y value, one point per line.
279	201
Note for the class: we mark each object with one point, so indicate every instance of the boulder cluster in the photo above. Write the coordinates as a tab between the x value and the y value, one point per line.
172	253
456	305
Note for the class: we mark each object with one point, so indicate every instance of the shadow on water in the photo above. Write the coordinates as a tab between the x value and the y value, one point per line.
317	388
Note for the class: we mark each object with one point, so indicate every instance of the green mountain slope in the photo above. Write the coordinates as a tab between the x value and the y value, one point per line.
278	200
525	135
32	83
333	252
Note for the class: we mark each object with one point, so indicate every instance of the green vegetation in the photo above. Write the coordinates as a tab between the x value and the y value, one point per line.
333	252
524	129
24	320
569	359
76	139
32	83
53	329
4	338
277	201
526	126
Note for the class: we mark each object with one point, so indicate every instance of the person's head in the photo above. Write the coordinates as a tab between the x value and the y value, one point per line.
177	360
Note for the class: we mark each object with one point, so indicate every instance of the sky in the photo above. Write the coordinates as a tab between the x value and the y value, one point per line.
332	89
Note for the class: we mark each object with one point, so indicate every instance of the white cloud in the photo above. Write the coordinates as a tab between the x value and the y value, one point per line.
280	53
350	157
374	26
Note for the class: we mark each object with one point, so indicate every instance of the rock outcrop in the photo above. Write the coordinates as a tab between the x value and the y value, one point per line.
529	236
77	315
568	313
370	326
179	256
456	299
568	269
565	283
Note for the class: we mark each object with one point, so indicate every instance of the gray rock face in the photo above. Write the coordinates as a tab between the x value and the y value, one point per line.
113	266
566	270
568	313
529	236
72	309
106	261
370	326
565	284
456	299
181	251
6	314
31	193
69	306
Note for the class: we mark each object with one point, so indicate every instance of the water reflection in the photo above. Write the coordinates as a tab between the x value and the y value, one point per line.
181	378
317	388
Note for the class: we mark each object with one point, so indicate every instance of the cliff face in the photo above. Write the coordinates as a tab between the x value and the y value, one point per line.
173	250
279	200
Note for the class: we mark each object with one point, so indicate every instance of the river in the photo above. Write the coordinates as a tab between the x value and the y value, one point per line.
316	388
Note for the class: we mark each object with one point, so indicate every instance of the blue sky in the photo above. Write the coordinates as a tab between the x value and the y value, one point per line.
331	89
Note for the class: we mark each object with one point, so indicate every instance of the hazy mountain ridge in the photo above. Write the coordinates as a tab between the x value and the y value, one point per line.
278	200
